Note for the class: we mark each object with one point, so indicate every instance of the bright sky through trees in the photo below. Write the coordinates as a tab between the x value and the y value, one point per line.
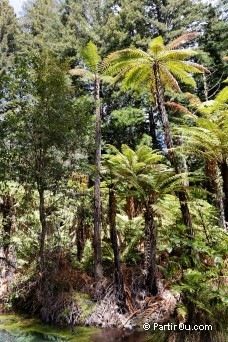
17	4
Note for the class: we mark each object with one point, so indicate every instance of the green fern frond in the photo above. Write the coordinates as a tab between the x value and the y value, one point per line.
123	55
184	65
91	56
157	45
136	76
183	76
222	96
176	55
168	80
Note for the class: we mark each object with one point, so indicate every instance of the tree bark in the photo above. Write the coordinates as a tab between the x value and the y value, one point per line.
224	172
150	250
212	172
182	195
153	129
7	211
130	207
113	234
43	225
97	196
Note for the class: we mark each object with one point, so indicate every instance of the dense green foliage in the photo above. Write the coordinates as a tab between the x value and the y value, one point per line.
114	146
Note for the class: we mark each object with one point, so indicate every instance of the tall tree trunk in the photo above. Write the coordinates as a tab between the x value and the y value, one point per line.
7	214
153	129
97	195
80	240
212	172
182	195
43	225
8	223
224	172
113	234
130	207
150	250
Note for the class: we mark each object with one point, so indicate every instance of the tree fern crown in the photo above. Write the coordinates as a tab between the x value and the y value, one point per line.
136	67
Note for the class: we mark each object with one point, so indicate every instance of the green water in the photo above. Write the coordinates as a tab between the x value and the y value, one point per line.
15	328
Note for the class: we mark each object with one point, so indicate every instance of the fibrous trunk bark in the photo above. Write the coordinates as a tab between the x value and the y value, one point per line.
97	196
113	234
130	207
43	225
212	172
224	173
182	195
8	223
150	251
153	129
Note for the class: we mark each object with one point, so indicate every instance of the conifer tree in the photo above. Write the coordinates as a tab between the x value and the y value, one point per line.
9	32
42	27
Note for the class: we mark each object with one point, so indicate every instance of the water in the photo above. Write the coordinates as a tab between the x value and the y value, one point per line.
16	328
24	329
104	336
5	336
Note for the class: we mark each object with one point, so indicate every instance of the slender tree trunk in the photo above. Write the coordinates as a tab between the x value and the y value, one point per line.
130	207
8	224
224	172
205	87
113	234
7	214
80	240
212	172
43	225
150	250
153	129
182	195
97	195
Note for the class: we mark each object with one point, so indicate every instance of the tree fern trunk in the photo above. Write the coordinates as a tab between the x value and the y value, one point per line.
153	129
182	195
113	234
8	225
43	225
224	172
97	195
212	173
150	251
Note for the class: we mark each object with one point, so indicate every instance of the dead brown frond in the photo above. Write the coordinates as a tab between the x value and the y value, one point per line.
181	40
177	107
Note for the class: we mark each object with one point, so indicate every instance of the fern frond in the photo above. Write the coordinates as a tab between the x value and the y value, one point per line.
123	55
168	80
181	40
178	107
176	54
157	45
91	56
82	73
187	66
136	76
198	66
183	76
222	96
